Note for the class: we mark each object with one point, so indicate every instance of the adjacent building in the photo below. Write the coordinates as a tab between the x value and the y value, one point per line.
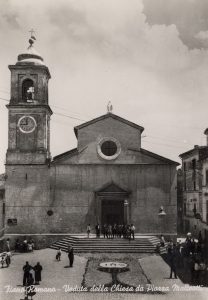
180	205
2	203
195	189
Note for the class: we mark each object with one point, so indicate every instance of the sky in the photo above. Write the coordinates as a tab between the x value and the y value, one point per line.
148	57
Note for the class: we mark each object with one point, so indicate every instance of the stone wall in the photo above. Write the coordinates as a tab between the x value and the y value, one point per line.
27	198
70	196
41	241
151	186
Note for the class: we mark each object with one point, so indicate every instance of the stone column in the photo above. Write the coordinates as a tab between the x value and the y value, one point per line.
126	211
97	208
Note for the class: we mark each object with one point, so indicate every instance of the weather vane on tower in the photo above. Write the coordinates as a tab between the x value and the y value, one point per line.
32	38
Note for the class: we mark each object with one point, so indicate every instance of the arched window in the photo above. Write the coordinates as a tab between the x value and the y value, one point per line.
28	90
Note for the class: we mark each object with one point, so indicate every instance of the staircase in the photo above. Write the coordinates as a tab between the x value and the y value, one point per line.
141	244
155	240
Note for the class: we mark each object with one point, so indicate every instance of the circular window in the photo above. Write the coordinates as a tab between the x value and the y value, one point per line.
109	148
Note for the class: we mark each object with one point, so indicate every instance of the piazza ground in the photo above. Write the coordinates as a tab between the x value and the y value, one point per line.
56	276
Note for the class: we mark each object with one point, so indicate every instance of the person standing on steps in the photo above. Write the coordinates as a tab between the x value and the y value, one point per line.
162	241
97	229
88	230
105	231
132	230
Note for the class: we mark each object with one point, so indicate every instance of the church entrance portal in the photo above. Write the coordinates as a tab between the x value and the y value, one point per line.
112	206
112	211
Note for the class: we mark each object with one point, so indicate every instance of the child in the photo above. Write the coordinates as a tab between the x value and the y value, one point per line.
58	255
29	247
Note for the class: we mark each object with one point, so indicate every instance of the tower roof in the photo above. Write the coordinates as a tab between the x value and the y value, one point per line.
30	56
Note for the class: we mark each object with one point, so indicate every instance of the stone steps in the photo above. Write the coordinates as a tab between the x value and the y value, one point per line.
101	245
154	240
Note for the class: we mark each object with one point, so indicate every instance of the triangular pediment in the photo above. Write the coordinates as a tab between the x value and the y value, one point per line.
108	116
147	157
112	188
159	158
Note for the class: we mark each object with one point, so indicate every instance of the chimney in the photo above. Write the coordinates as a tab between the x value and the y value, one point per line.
206	133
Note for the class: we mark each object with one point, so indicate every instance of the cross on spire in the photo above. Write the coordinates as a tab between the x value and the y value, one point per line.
32	38
32	32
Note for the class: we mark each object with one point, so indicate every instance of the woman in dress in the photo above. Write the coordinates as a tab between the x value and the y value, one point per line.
38	269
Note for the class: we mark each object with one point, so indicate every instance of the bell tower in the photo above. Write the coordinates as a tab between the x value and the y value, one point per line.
29	111
27	187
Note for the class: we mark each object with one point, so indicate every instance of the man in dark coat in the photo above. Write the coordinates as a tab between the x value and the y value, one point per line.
172	260
200	239
38	269
8	245
71	256
105	231
97	229
132	231
30	288
26	269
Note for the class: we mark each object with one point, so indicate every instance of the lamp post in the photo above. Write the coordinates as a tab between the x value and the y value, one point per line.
161	216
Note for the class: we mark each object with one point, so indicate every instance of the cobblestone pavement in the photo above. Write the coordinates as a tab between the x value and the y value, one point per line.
57	274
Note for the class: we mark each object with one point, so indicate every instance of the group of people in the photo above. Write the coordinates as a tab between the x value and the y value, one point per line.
31	277
187	258
195	257
113	231
70	253
5	259
24	246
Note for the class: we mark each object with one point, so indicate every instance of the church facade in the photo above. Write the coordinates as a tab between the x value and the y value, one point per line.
109	178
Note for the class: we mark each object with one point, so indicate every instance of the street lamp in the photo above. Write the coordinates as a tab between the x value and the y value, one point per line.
126	203
161	216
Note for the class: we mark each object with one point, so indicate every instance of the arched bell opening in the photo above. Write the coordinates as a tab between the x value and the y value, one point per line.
28	90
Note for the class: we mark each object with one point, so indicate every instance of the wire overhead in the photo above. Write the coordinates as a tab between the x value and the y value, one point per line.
56	113
172	141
